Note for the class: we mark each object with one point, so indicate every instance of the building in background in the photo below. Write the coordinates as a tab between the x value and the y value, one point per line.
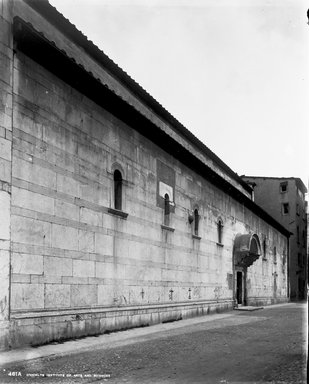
113	214
284	199
307	271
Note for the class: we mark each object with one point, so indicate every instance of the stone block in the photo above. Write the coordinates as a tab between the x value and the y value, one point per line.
74	280
137	295
154	294
66	210
58	266
45	279
60	136
104	244
5	201
6	10
83	268
21	278
33	201
91	217
5	170
57	295
5	119
5	149
83	295
87	192
85	241
137	250
28	264
30	231
108	220
105	270
105	295
4	283
27	296
6	99
26	124
121	247
94	193
35	174
5	32
143	273
64	237
8	135
68	185
4	299
156	254
4	244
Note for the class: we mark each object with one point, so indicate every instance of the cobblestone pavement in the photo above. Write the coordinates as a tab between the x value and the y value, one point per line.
265	346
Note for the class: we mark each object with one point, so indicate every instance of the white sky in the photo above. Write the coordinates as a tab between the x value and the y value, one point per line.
234	72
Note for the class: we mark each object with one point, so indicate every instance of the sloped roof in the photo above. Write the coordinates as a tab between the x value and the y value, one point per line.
64	26
70	30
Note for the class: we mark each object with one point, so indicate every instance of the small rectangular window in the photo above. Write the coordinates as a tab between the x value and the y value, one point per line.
117	190
285	208
220	231
284	187
264	249
166	210
196	222
275	255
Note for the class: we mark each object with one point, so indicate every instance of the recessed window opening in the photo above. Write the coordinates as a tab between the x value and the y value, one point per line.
220	231
196	222
275	255
118	190
264	248
285	208
283	187
166	209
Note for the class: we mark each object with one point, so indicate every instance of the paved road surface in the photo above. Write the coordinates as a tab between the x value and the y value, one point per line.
265	346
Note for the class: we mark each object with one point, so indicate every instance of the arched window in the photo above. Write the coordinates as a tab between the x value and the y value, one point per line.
220	230
196	222
118	190
275	255
166	210
264	248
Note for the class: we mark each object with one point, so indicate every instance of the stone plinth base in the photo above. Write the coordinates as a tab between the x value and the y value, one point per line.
42	327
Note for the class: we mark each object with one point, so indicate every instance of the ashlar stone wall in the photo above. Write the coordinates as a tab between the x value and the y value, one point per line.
78	266
70	251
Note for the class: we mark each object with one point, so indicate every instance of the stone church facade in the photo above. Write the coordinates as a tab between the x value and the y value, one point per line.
113	214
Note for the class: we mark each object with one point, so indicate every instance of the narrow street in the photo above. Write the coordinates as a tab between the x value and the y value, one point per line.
267	345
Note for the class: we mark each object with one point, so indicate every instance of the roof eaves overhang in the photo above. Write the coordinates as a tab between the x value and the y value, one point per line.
67	28
35	45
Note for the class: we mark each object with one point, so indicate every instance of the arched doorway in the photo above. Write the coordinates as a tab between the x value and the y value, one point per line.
247	250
